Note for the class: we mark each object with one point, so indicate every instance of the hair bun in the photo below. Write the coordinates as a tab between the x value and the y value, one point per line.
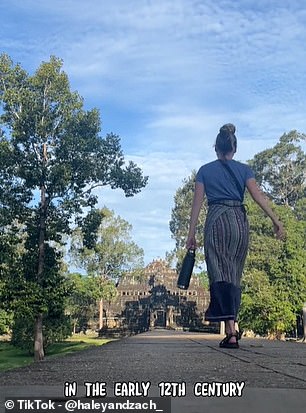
226	141
228	128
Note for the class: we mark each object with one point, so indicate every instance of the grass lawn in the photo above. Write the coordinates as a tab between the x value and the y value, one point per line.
11	357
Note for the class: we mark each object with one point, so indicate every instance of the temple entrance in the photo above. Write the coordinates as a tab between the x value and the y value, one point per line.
160	320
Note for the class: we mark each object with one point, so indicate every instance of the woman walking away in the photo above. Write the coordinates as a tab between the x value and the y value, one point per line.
226	231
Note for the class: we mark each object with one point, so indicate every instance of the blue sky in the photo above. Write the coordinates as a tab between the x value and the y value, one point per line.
165	75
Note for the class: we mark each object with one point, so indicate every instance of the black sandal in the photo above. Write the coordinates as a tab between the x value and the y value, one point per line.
226	338
226	344
239	334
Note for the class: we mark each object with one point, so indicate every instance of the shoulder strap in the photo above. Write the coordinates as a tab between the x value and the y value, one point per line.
240	189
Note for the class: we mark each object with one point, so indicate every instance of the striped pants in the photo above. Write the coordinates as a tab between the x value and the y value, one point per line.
226	239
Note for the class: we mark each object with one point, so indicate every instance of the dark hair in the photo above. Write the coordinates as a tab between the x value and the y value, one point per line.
226	140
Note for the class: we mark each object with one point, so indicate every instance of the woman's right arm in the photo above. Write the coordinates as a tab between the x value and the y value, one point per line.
261	200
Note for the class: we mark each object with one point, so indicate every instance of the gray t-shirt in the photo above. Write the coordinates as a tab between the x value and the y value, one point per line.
219	184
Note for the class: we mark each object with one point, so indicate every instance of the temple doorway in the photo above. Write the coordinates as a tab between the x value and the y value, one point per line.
160	319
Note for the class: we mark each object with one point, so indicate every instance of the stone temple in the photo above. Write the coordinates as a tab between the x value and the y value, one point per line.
154	301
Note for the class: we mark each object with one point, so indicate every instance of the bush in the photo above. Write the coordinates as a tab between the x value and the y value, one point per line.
22	334
6	320
55	329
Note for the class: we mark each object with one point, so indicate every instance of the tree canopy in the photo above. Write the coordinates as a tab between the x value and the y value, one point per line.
113	253
281	170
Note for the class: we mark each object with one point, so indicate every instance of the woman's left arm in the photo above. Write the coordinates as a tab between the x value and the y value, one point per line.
196	206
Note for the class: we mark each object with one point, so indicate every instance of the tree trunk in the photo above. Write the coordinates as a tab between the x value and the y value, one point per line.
101	314
38	343
38	328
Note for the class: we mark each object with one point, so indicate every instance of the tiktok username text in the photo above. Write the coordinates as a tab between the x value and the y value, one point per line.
88	405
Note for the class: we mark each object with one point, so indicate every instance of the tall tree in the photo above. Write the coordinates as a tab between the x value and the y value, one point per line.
52	157
112	254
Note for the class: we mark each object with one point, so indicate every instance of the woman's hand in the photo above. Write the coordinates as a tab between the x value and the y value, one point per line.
191	242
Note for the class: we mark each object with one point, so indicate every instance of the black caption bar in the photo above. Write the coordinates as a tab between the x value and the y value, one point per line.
105	405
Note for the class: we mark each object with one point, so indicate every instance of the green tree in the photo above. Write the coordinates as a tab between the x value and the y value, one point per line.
274	283
280	170
112	255
258	302
81	304
52	157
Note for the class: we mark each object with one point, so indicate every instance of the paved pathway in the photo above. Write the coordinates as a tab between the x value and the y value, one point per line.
274	372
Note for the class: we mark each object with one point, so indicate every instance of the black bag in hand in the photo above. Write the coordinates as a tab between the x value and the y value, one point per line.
186	270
